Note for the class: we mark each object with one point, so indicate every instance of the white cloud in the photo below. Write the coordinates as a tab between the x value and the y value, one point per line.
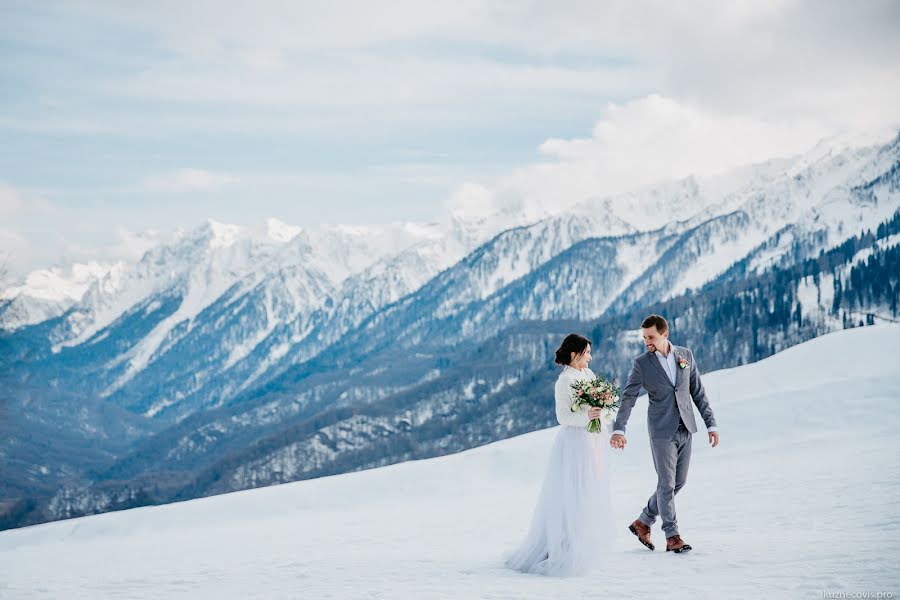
780	55
471	200
337	67
131	245
13	249
655	138
18	209
13	203
344	95
10	201
180	180
65	237
638	143
123	244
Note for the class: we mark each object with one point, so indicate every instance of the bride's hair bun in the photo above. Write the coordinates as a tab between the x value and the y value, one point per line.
573	343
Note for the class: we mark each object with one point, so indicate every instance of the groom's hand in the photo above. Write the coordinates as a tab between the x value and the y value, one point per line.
617	440
714	438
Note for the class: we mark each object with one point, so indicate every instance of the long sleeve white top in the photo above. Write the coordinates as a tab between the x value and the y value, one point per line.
563	393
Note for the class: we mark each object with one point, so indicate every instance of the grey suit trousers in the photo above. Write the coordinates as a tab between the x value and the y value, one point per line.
671	458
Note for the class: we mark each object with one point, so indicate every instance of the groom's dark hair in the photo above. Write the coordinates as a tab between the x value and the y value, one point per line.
656	321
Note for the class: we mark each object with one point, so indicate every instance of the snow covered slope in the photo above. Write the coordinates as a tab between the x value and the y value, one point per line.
799	498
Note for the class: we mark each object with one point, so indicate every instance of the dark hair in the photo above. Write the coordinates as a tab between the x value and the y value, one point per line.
573	343
656	321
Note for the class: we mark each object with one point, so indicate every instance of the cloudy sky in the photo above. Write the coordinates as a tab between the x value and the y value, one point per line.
122	117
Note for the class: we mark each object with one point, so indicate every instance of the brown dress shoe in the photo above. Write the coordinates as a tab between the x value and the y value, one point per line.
642	532
676	544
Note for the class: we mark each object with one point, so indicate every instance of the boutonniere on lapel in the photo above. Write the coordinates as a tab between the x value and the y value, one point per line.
683	363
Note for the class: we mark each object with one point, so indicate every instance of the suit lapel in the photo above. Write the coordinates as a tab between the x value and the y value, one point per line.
655	360
678	368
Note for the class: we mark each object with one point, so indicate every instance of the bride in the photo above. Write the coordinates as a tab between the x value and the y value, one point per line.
571	529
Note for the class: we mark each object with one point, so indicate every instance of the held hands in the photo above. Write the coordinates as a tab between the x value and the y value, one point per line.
618	440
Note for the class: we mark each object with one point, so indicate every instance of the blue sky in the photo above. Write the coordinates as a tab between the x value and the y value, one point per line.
119	117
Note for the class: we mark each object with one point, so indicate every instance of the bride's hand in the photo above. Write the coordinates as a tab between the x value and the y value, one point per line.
594	413
617	440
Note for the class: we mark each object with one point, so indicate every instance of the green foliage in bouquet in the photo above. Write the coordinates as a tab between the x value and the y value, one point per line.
595	392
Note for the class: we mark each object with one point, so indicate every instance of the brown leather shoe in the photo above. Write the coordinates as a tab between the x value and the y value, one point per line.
676	544
642	532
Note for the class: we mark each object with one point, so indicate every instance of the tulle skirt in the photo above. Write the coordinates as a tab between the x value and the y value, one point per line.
571	531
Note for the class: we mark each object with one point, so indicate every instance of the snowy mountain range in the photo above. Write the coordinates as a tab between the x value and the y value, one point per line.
229	345
438	528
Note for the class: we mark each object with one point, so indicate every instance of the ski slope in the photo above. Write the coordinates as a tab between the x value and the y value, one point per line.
800	498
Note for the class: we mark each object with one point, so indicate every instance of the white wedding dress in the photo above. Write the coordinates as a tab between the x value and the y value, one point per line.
571	530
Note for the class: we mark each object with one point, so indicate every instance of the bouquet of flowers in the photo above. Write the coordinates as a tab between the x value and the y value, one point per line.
595	392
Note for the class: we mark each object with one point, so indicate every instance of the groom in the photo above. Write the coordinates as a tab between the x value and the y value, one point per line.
669	375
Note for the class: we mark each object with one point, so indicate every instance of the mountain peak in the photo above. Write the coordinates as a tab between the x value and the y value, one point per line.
280	231
219	235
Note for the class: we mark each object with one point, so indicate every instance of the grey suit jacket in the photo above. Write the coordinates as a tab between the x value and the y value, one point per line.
667	401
